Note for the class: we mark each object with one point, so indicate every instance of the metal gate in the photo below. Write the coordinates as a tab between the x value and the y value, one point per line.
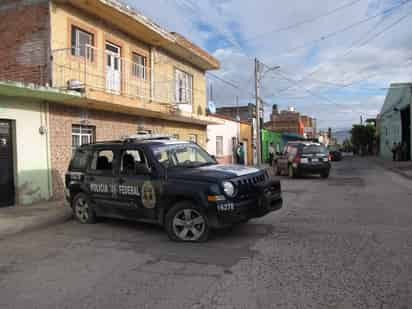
6	164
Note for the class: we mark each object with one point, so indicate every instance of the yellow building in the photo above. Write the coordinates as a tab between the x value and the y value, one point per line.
131	74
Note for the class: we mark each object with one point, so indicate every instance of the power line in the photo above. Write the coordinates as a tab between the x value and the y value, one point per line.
228	82
353	47
300	23
304	88
344	29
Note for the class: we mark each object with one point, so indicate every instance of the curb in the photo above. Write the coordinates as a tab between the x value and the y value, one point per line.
395	170
58	217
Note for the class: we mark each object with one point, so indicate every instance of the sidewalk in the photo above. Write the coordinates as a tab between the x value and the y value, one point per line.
403	168
18	219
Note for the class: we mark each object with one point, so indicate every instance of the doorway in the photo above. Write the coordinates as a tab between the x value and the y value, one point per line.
6	164
113	68
406	130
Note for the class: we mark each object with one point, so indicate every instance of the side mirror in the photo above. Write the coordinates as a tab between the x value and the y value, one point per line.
213	157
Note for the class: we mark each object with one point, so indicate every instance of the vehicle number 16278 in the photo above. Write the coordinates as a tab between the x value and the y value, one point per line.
225	207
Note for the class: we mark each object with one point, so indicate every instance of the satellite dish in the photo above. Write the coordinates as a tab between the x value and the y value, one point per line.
211	107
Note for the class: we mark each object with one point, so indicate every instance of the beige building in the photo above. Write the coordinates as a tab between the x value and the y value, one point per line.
130	73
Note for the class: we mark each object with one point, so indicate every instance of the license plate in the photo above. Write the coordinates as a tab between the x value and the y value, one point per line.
315	160
226	207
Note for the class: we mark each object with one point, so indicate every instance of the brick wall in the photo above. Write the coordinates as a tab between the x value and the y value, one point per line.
24	33
109	126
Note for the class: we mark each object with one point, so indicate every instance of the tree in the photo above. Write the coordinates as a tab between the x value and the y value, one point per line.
363	138
347	145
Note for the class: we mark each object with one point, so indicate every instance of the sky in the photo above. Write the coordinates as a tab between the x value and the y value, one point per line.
337	57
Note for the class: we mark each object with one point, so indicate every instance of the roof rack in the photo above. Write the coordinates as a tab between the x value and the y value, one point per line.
146	137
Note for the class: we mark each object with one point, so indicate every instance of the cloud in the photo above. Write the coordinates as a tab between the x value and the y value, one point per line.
346	72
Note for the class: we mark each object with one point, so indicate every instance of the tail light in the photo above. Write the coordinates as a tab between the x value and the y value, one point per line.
296	159
330	157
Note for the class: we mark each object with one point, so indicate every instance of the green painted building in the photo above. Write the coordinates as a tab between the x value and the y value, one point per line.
395	119
270	137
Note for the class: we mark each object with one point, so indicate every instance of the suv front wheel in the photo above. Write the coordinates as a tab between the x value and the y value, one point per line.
186	222
83	211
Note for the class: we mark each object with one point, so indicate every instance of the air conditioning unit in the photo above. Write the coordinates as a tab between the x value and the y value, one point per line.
74	84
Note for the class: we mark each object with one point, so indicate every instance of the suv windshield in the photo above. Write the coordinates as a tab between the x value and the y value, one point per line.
182	155
313	149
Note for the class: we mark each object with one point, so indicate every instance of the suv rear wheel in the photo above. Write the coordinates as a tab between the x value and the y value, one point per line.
186	222
83	210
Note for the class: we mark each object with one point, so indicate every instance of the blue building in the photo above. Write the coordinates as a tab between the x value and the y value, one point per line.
395	124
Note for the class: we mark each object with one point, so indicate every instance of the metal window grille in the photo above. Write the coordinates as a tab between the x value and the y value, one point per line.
82	135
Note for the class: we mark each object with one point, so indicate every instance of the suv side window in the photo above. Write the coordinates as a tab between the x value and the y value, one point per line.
79	160
133	162
102	161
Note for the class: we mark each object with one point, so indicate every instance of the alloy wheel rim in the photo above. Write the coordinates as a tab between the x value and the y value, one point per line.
82	210
189	225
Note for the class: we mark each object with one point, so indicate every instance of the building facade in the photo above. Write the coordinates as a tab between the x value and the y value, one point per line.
242	113
285	121
395	120
223	139
124	74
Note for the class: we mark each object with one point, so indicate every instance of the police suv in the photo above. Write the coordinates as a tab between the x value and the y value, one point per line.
162	180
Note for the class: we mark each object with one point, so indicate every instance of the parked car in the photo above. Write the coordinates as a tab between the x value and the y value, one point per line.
335	153
300	158
173	183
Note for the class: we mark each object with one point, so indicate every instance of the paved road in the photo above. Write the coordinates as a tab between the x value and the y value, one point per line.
345	242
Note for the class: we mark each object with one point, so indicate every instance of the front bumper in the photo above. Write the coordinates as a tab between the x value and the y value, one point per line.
264	201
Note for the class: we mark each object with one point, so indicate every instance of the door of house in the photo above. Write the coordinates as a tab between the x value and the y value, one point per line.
113	68
6	164
406	131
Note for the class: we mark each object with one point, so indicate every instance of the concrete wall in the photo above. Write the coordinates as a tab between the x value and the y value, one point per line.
399	96
229	130
164	67
24	33
109	126
31	158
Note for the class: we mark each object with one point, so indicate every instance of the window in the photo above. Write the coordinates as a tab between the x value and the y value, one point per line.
102	161
133	162
82	43
311	149
82	135
185	154
139	66
79	161
219	145
184	87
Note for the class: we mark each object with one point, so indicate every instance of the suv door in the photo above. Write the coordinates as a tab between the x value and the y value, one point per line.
101	181
136	184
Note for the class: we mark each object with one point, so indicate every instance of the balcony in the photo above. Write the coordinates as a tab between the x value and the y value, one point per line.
109	82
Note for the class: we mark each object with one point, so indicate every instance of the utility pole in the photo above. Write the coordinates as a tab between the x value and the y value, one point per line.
259	110
257	95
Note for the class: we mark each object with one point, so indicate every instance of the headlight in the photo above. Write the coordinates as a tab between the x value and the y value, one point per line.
228	188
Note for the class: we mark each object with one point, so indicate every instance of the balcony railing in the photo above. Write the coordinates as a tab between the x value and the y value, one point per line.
89	68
